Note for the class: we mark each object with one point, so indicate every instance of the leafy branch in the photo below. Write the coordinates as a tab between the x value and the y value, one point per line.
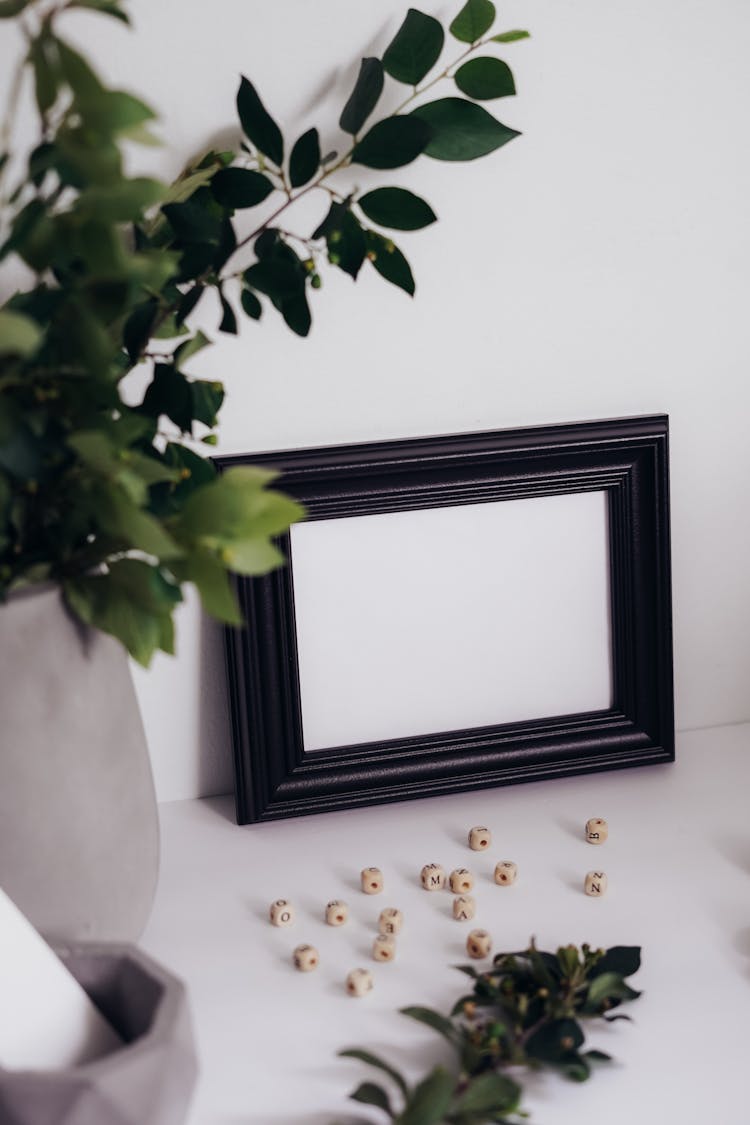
116	501
526	1011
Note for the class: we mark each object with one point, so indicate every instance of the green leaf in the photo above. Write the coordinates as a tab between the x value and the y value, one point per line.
414	49
432	1019
577	1069
189	302
389	262
240	187
183	352
258	125
374	1060
19	335
485	78
276	277
250	304
475	18
369	1093
345	239
510	36
597	1056
169	393
228	318
45	75
397	208
393	142
237	506
461	130
106	7
296	313
192	223
554	1040
488	1093
11	8
207	400
609	986
119	516
252	556
212	582
120	202
622	959
429	1102
364	97
304	159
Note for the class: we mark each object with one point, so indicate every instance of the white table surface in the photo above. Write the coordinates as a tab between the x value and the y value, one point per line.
678	861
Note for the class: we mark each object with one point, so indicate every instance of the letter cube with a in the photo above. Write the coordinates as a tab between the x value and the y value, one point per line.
463	908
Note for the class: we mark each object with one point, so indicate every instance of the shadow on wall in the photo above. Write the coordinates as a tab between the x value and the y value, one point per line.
215	770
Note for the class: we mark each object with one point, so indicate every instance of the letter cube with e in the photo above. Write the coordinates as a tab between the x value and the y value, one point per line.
390	921
337	912
461	881
359	982
478	944
595	884
372	880
480	839
596	830
463	908
281	912
383	948
505	873
305	958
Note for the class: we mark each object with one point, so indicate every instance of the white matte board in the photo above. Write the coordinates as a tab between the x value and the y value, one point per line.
442	619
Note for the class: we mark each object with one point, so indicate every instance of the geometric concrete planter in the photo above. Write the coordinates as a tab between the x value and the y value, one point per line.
149	1081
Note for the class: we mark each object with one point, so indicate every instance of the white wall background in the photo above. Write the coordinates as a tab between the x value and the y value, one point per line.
595	267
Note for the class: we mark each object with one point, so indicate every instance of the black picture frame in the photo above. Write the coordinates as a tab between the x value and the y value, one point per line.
626	458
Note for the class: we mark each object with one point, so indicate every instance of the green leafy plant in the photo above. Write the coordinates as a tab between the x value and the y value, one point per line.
117	501
526	1011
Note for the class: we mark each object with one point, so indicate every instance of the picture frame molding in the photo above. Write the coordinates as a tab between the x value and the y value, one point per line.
626	458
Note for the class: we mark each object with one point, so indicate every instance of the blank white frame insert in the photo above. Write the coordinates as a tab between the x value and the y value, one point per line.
444	619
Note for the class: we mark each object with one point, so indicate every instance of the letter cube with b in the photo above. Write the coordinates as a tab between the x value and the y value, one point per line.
390	921
433	877
281	912
480	839
596	830
372	880
478	944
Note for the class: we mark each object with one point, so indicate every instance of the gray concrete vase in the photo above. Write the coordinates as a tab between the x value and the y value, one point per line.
149	1081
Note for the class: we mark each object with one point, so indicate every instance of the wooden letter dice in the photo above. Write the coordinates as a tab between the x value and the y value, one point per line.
281	912
596	884
463	908
337	913
505	873
372	880
305	958
383	948
433	877
478	944
359	982
461	881
390	921
480	839
596	830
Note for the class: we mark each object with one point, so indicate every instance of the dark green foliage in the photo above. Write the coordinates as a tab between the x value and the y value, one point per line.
524	1011
115	501
415	48
475	18
364	97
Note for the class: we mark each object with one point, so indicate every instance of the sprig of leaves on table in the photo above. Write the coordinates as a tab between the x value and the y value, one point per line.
527	1010
117	501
